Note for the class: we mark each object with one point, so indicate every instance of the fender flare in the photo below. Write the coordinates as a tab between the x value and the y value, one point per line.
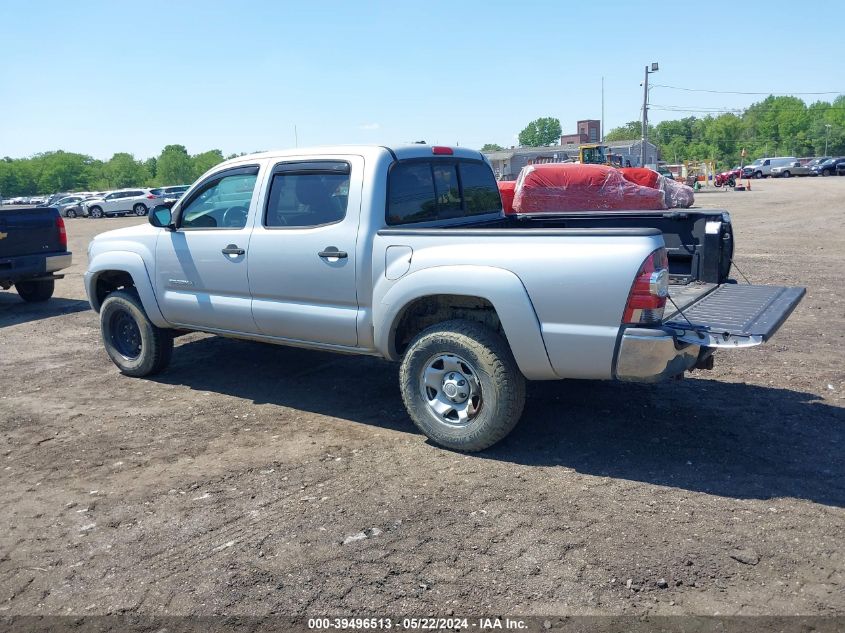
133	264
502	288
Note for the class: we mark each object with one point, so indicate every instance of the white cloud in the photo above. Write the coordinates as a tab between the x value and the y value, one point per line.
369	126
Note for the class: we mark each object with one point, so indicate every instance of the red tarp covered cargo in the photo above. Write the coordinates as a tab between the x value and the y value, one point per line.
507	188
575	187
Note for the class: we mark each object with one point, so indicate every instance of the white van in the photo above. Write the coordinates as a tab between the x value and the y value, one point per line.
762	167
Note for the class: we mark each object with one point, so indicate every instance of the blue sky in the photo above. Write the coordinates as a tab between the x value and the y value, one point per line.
100	77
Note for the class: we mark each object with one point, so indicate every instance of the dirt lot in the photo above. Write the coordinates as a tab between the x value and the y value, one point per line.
229	483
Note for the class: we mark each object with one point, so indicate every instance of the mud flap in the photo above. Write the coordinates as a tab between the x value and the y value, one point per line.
735	315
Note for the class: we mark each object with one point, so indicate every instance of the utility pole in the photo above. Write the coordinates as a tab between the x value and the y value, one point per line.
654	69
826	136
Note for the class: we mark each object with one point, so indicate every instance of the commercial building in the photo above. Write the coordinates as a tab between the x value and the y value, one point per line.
508	163
589	131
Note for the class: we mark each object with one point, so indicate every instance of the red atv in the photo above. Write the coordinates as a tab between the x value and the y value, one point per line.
728	178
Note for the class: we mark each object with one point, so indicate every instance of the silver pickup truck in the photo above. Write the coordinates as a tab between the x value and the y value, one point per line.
405	253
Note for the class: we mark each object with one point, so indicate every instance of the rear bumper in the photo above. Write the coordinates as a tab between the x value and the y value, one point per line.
57	262
652	355
14	269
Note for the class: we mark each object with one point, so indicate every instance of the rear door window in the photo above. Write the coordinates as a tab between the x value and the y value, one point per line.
428	190
307	194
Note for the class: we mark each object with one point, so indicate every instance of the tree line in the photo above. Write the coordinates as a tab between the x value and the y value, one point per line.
52	172
776	126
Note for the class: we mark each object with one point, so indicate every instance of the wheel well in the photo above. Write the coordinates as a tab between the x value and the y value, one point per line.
111	280
426	311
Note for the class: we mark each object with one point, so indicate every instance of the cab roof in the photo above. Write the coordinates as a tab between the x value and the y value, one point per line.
401	152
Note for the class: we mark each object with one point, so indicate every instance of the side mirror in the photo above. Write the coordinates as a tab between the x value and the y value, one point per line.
161	217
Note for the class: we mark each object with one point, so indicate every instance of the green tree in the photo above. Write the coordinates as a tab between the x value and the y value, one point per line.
174	166
150	166
540	132
205	161
631	131
492	147
122	170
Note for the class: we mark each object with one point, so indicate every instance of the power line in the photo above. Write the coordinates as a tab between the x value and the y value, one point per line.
735	92
756	108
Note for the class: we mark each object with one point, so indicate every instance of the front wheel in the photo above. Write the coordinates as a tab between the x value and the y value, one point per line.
825	172
132	341
461	385
95	212
758	175
140	209
36	291
786	174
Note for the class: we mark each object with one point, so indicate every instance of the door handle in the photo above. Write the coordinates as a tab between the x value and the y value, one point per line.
232	249
331	251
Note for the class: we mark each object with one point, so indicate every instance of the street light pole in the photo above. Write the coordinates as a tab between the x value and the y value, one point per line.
654	69
826	136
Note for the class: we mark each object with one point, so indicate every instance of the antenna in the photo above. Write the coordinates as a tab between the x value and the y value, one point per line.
601	125
295	137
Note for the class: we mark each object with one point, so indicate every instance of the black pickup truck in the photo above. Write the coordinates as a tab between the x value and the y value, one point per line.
33	247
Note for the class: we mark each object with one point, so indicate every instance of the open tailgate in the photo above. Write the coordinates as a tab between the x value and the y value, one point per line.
735	315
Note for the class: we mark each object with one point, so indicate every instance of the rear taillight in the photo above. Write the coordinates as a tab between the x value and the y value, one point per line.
60	225
150	196
649	291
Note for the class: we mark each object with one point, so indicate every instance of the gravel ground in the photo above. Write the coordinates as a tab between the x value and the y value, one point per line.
253	479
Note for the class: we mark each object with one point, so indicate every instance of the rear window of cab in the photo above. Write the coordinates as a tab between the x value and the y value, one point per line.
425	190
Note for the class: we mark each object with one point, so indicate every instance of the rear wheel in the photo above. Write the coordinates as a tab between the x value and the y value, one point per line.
461	385
132	341
140	209
70	213
36	291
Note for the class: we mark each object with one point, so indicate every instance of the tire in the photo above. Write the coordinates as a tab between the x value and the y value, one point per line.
462	355
731	183
95	212
36	291
132	341
786	174
139	210
825	172
70	213
758	175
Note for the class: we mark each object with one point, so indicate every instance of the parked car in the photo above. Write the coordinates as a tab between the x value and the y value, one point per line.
816	161
762	167
828	167
405	253
68	206
38	201
52	200
792	169
121	202
33	248
728	178
173	192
